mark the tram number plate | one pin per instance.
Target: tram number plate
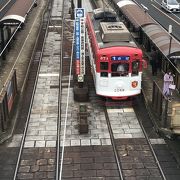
(118, 90)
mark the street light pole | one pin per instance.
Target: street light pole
(144, 7)
(144, 19)
(145, 10)
(170, 40)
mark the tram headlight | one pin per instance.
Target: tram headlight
(134, 84)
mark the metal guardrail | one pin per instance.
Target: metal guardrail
(160, 104)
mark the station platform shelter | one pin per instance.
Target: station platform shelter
(13, 15)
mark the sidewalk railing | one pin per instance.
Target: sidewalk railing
(160, 104)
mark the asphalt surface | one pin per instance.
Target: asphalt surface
(4, 6)
(161, 16)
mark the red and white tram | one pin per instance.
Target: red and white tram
(115, 58)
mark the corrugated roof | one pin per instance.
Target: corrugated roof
(161, 39)
(18, 11)
(135, 14)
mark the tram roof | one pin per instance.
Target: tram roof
(161, 39)
(101, 44)
(134, 13)
(17, 12)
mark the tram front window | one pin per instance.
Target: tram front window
(119, 69)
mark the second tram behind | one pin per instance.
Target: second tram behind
(116, 60)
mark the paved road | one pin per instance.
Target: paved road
(161, 16)
(4, 6)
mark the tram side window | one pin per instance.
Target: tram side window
(135, 68)
(104, 66)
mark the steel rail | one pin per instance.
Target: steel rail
(67, 106)
(113, 144)
(151, 148)
(58, 142)
(147, 139)
(31, 104)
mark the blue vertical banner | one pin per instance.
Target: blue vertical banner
(80, 40)
(77, 43)
(82, 53)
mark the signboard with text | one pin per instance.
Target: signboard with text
(80, 41)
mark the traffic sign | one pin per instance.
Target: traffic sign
(79, 13)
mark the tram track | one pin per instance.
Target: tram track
(151, 147)
(33, 78)
(132, 151)
(120, 153)
(64, 30)
(147, 131)
(65, 70)
(131, 146)
(119, 161)
(123, 150)
(113, 144)
(34, 73)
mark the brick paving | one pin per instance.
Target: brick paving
(137, 159)
(37, 163)
(89, 162)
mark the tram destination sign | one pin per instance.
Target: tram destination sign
(80, 40)
(119, 58)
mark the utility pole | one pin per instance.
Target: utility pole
(79, 3)
(72, 9)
